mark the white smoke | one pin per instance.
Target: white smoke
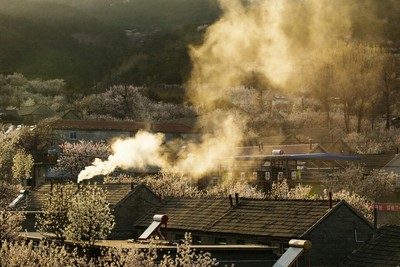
(269, 38)
(139, 152)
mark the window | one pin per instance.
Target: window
(72, 135)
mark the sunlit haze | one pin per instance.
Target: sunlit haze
(268, 39)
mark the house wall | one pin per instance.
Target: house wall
(129, 210)
(95, 136)
(337, 237)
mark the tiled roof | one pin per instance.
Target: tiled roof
(319, 135)
(121, 126)
(382, 250)
(261, 217)
(98, 125)
(279, 140)
(28, 110)
(376, 161)
(267, 149)
(38, 196)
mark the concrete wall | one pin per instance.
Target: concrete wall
(95, 136)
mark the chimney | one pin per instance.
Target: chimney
(132, 186)
(230, 200)
(375, 219)
(237, 199)
(330, 200)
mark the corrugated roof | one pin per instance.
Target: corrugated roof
(274, 218)
(287, 149)
(382, 250)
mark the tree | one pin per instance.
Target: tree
(76, 156)
(10, 221)
(39, 139)
(90, 217)
(389, 84)
(187, 257)
(13, 254)
(281, 190)
(349, 71)
(22, 165)
(360, 203)
(375, 186)
(230, 186)
(54, 216)
(7, 149)
(19, 91)
(124, 102)
(168, 183)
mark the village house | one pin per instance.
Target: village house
(33, 114)
(335, 229)
(128, 203)
(307, 164)
(330, 138)
(98, 131)
(382, 250)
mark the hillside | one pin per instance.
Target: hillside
(101, 42)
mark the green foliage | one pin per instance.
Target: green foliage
(85, 43)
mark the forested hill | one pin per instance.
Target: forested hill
(100, 42)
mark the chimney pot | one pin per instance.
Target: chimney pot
(237, 199)
(230, 200)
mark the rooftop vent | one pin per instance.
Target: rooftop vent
(277, 152)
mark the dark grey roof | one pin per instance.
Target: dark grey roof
(38, 196)
(376, 161)
(255, 217)
(382, 250)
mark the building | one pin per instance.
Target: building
(97, 131)
(307, 164)
(128, 202)
(36, 113)
(382, 250)
(334, 232)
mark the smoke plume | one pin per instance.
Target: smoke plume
(267, 40)
(139, 152)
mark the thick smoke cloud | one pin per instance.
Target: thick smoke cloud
(268, 40)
